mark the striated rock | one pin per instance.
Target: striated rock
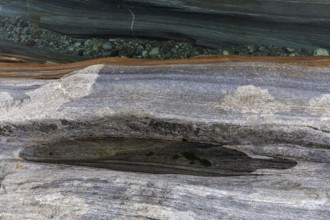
(30, 54)
(203, 22)
(248, 138)
(107, 46)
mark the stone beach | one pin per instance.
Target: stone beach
(20, 30)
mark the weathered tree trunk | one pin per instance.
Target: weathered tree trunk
(300, 23)
(192, 139)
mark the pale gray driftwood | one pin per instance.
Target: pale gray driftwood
(242, 140)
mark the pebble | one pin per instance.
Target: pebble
(88, 43)
(290, 50)
(71, 48)
(26, 31)
(251, 48)
(96, 46)
(24, 24)
(65, 43)
(261, 48)
(154, 52)
(144, 53)
(77, 44)
(225, 52)
(139, 49)
(321, 52)
(107, 46)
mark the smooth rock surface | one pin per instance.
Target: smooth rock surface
(272, 114)
(284, 23)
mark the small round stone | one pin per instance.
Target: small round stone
(290, 50)
(225, 52)
(107, 46)
(88, 43)
(71, 48)
(144, 53)
(139, 49)
(321, 52)
(77, 44)
(154, 52)
(24, 24)
(251, 48)
(65, 43)
(261, 48)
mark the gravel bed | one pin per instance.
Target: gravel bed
(22, 31)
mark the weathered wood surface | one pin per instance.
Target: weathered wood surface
(267, 123)
(300, 23)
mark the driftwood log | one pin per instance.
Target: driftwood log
(204, 138)
(300, 23)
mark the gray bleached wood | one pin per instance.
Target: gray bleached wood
(256, 110)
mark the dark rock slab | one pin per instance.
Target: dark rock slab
(11, 52)
(152, 156)
(211, 23)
